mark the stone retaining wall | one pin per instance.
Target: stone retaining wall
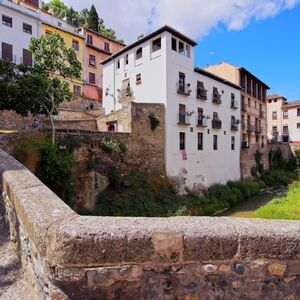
(75, 257)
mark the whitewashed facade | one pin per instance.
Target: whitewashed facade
(196, 154)
(19, 24)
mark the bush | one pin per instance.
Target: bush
(278, 178)
(154, 121)
(110, 145)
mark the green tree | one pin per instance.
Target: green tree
(73, 17)
(93, 19)
(43, 88)
(83, 17)
(57, 7)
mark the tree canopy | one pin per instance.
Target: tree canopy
(39, 90)
(87, 18)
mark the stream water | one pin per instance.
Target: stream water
(246, 209)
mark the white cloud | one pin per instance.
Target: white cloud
(195, 18)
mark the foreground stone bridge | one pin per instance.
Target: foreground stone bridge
(68, 256)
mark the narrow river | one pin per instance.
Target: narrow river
(246, 209)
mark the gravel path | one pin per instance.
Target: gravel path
(13, 284)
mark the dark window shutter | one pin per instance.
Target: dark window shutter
(7, 51)
(27, 57)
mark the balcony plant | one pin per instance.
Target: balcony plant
(154, 120)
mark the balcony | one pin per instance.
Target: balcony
(216, 124)
(261, 114)
(244, 107)
(251, 128)
(202, 94)
(183, 118)
(234, 104)
(184, 89)
(245, 145)
(216, 98)
(258, 130)
(202, 121)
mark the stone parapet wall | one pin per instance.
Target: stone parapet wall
(75, 257)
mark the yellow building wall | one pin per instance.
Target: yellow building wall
(68, 38)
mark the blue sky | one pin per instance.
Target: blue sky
(260, 35)
(270, 49)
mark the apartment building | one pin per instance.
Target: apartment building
(202, 113)
(97, 48)
(283, 120)
(253, 113)
(19, 23)
(73, 39)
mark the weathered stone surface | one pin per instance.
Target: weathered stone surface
(141, 258)
(277, 269)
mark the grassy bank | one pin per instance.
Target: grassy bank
(287, 207)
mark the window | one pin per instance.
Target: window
(233, 143)
(188, 51)
(59, 24)
(118, 64)
(92, 60)
(181, 48)
(126, 59)
(77, 89)
(201, 91)
(200, 117)
(156, 45)
(139, 53)
(182, 114)
(106, 47)
(274, 115)
(92, 78)
(274, 130)
(27, 28)
(200, 141)
(215, 142)
(298, 112)
(181, 141)
(7, 52)
(298, 125)
(174, 44)
(243, 81)
(75, 45)
(27, 57)
(285, 129)
(138, 79)
(233, 102)
(90, 39)
(285, 113)
(249, 102)
(7, 21)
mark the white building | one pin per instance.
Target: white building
(283, 119)
(202, 135)
(19, 23)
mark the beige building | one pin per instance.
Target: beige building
(283, 120)
(253, 113)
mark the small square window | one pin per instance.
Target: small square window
(174, 44)
(77, 89)
(27, 28)
(75, 45)
(232, 143)
(92, 78)
(138, 79)
(156, 45)
(181, 141)
(139, 53)
(92, 60)
(7, 21)
(200, 141)
(215, 142)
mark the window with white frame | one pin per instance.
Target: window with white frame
(139, 53)
(156, 45)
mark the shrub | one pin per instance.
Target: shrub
(115, 177)
(154, 121)
(110, 145)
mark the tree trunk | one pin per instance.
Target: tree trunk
(53, 128)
